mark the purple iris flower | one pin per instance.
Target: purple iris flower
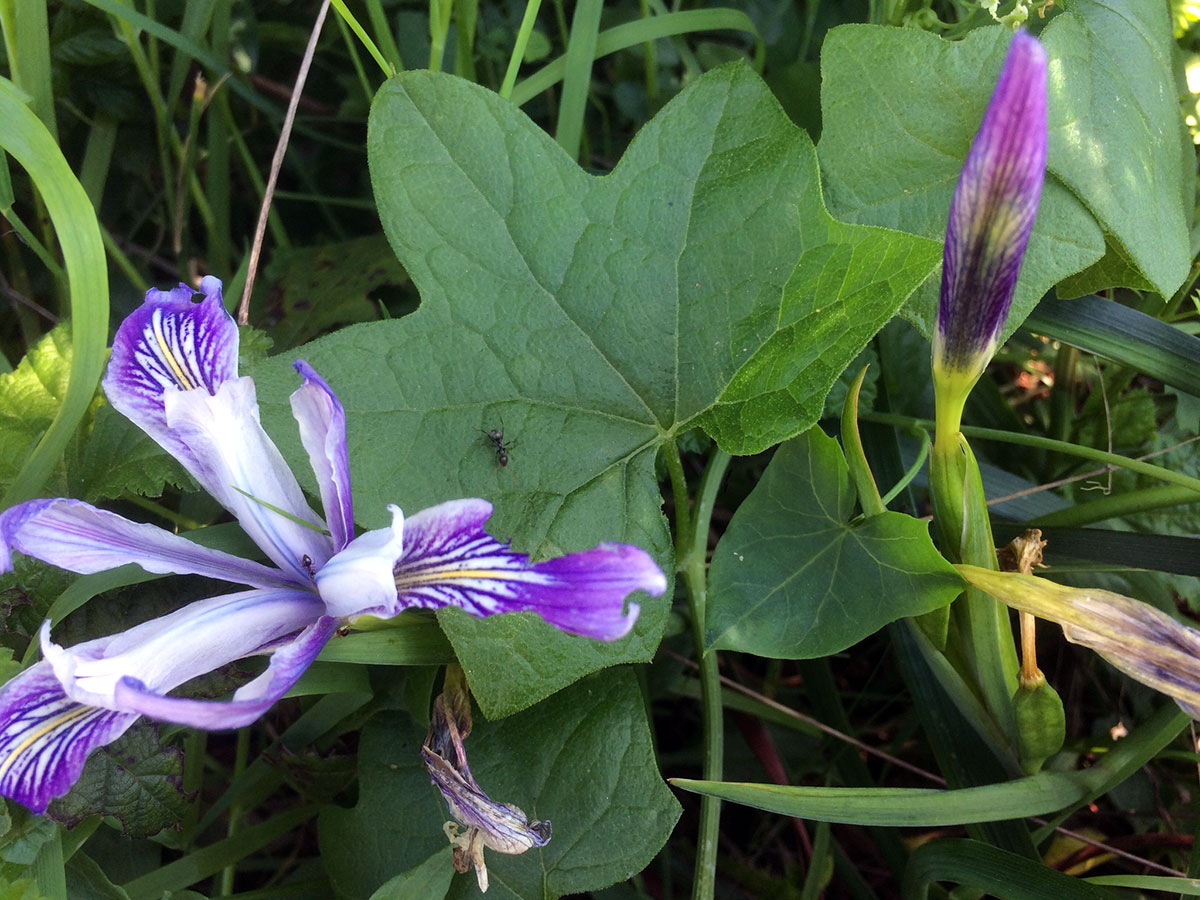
(991, 216)
(173, 372)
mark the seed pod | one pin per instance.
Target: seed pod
(1041, 723)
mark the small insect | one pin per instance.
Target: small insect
(307, 562)
(496, 436)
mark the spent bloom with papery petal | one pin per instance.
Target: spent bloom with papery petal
(173, 372)
(991, 216)
(479, 821)
(1143, 642)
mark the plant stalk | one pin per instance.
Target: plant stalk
(692, 558)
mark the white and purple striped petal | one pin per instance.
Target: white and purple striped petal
(250, 701)
(322, 423)
(45, 737)
(170, 343)
(244, 471)
(449, 560)
(79, 698)
(166, 652)
(992, 213)
(78, 537)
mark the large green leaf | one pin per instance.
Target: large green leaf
(1117, 139)
(593, 319)
(582, 759)
(428, 881)
(891, 148)
(795, 576)
(116, 457)
(31, 395)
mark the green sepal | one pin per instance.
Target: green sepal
(979, 625)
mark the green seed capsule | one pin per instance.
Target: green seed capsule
(1041, 724)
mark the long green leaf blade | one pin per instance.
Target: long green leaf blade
(26, 138)
(992, 870)
(1123, 335)
(1039, 794)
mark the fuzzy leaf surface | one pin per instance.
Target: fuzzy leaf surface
(1116, 137)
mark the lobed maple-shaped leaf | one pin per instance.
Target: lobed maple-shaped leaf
(592, 319)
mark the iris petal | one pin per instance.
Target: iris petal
(322, 423)
(165, 652)
(45, 737)
(76, 536)
(170, 343)
(244, 471)
(250, 701)
(449, 560)
(359, 580)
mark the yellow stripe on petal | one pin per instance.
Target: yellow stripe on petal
(168, 357)
(66, 718)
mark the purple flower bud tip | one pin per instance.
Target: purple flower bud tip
(992, 213)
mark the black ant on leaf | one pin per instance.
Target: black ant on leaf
(496, 437)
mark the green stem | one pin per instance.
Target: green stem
(1033, 440)
(650, 56)
(1117, 505)
(856, 458)
(911, 472)
(355, 61)
(195, 745)
(235, 809)
(1062, 398)
(518, 54)
(439, 28)
(35, 245)
(577, 79)
(691, 559)
(978, 624)
(346, 16)
(383, 34)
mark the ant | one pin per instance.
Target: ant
(496, 436)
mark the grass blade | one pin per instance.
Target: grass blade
(27, 140)
(577, 74)
(1123, 335)
(993, 871)
(1039, 794)
(631, 34)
